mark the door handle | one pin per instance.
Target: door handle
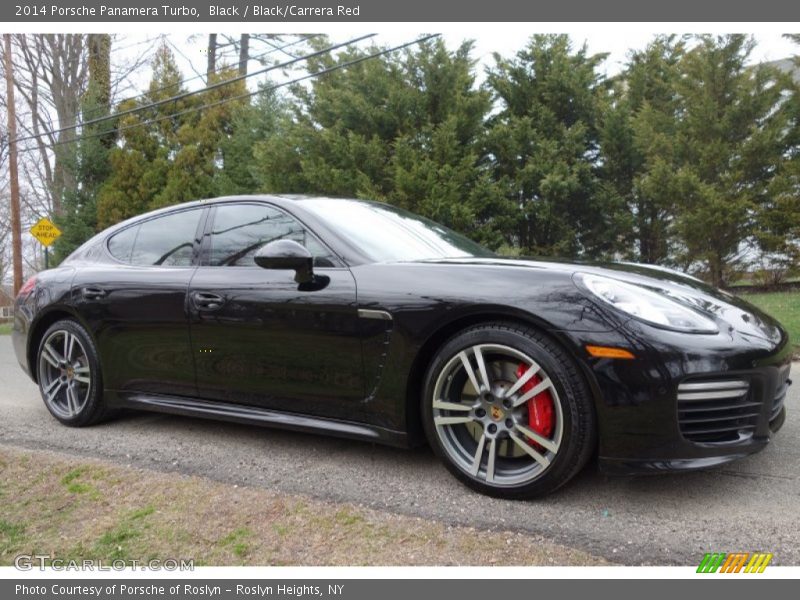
(93, 293)
(207, 300)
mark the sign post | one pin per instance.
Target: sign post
(46, 232)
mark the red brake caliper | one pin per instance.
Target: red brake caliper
(541, 417)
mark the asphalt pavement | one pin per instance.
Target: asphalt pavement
(750, 505)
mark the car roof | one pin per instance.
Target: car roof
(277, 199)
(272, 197)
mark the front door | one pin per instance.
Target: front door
(258, 338)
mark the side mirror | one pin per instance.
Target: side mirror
(287, 254)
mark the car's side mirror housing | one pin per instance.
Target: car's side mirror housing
(287, 254)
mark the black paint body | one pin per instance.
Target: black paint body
(347, 357)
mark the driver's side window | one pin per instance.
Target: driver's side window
(239, 230)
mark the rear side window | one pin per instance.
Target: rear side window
(164, 241)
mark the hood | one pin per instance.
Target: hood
(718, 304)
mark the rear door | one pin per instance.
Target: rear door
(136, 304)
(260, 338)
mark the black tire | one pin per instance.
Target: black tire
(89, 407)
(569, 394)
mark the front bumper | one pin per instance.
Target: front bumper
(650, 420)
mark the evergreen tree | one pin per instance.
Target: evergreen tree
(251, 124)
(690, 157)
(544, 150)
(638, 136)
(777, 221)
(90, 162)
(168, 153)
(404, 129)
(139, 165)
(733, 137)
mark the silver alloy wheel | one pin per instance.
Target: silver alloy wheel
(65, 376)
(480, 415)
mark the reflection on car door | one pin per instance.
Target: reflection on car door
(261, 340)
(136, 307)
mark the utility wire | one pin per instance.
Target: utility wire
(221, 69)
(213, 86)
(183, 56)
(274, 49)
(139, 43)
(247, 95)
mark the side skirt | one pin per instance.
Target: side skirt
(251, 415)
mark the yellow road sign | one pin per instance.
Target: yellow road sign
(45, 231)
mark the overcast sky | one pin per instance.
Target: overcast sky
(190, 52)
(770, 46)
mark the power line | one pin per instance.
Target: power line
(225, 45)
(277, 49)
(139, 43)
(221, 69)
(274, 49)
(200, 91)
(247, 95)
(182, 55)
(253, 38)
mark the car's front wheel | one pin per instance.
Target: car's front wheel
(69, 375)
(508, 411)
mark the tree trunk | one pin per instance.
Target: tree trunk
(244, 53)
(66, 86)
(716, 265)
(100, 69)
(212, 57)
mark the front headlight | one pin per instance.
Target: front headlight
(647, 305)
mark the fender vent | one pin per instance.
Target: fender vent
(714, 412)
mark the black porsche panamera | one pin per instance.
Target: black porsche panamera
(361, 320)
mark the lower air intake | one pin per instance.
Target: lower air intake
(715, 412)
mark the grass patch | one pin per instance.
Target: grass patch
(75, 481)
(281, 530)
(114, 544)
(237, 541)
(748, 281)
(784, 306)
(5, 328)
(142, 513)
(11, 534)
(119, 542)
(70, 511)
(347, 517)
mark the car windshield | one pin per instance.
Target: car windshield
(385, 233)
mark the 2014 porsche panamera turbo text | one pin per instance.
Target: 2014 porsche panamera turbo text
(361, 320)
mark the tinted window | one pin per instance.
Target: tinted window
(386, 233)
(166, 241)
(121, 244)
(241, 229)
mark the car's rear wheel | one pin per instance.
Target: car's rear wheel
(508, 411)
(69, 375)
